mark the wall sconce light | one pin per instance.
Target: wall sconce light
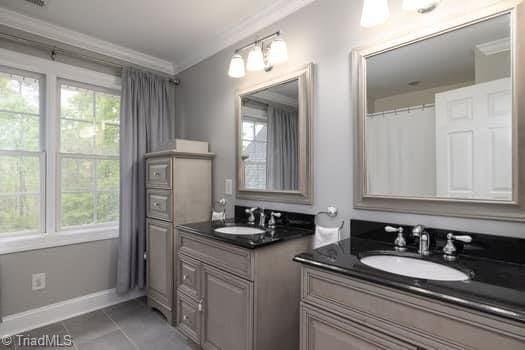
(236, 66)
(262, 56)
(376, 12)
(421, 6)
(255, 60)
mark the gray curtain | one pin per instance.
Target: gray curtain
(146, 122)
(282, 167)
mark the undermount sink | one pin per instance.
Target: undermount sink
(416, 268)
(239, 230)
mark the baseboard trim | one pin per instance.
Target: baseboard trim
(42, 316)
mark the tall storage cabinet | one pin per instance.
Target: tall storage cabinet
(178, 191)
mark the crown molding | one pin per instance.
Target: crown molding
(248, 26)
(494, 47)
(70, 37)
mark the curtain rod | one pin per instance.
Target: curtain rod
(400, 110)
(53, 51)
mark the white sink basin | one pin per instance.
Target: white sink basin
(414, 268)
(239, 230)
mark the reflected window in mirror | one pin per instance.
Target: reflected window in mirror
(270, 122)
(439, 116)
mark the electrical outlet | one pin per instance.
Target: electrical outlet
(38, 281)
(228, 187)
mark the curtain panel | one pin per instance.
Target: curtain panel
(146, 122)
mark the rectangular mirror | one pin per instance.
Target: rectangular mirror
(438, 120)
(273, 139)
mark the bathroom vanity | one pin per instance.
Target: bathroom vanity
(346, 304)
(238, 292)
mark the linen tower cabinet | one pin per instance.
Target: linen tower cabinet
(178, 191)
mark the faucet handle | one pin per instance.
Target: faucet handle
(462, 238)
(273, 215)
(400, 243)
(393, 229)
(449, 250)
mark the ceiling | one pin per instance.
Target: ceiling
(178, 31)
(442, 60)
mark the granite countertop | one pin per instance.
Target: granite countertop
(279, 234)
(496, 287)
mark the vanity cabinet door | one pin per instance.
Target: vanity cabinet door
(228, 311)
(325, 331)
(159, 245)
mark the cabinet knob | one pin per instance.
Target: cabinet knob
(184, 277)
(156, 174)
(156, 204)
(199, 307)
(184, 318)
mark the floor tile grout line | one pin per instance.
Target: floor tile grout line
(102, 334)
(121, 330)
(69, 332)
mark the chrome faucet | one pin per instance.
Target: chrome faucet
(271, 222)
(449, 250)
(262, 218)
(424, 239)
(251, 218)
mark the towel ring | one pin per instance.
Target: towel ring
(332, 213)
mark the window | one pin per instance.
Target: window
(89, 155)
(21, 156)
(254, 145)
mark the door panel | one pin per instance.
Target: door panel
(159, 261)
(324, 331)
(228, 311)
(474, 141)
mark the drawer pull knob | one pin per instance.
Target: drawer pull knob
(185, 318)
(156, 174)
(156, 204)
(184, 277)
(199, 307)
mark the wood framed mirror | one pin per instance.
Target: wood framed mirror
(440, 123)
(274, 123)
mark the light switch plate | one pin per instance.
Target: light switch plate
(228, 187)
(38, 281)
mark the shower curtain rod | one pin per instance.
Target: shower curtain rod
(53, 51)
(400, 110)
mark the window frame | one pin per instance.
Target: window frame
(40, 153)
(85, 156)
(255, 121)
(50, 236)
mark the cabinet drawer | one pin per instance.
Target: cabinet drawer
(158, 173)
(188, 317)
(189, 276)
(159, 204)
(225, 256)
(425, 322)
(321, 330)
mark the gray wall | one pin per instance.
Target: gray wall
(324, 33)
(72, 271)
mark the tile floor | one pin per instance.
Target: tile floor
(130, 325)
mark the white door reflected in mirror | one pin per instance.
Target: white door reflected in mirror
(440, 125)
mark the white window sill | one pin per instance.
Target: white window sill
(21, 243)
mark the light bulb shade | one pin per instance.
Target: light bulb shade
(278, 51)
(374, 12)
(413, 5)
(236, 67)
(255, 59)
